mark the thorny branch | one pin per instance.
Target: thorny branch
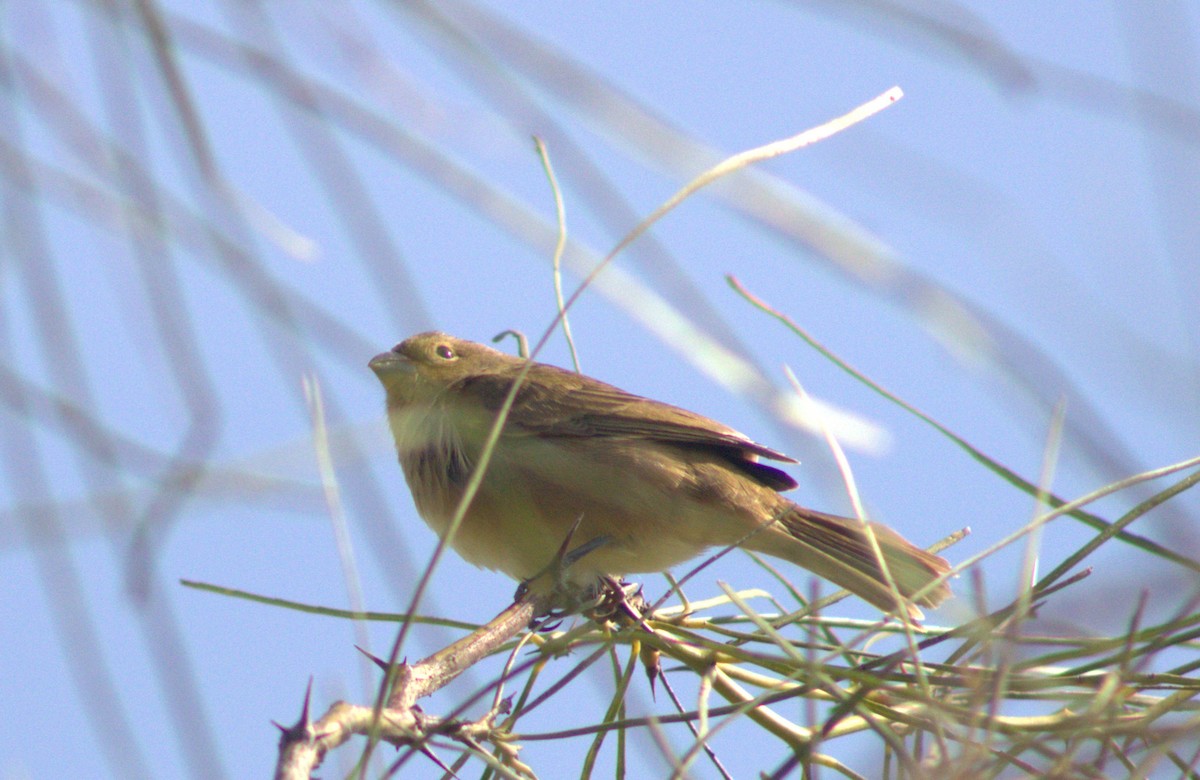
(303, 746)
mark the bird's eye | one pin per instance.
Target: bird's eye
(445, 352)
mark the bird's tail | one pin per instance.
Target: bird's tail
(837, 548)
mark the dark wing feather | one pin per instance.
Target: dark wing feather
(553, 402)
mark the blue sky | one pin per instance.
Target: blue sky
(1018, 231)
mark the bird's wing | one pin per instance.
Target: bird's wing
(554, 402)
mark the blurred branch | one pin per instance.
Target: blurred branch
(1059, 505)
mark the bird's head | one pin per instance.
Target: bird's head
(422, 367)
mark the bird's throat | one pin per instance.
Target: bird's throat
(432, 454)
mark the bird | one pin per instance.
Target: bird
(638, 485)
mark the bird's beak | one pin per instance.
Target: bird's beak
(386, 363)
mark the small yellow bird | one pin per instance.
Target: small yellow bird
(650, 485)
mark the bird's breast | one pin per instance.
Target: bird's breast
(434, 457)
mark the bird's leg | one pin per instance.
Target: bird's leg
(617, 596)
(565, 596)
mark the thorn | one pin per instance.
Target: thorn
(429, 754)
(566, 542)
(652, 662)
(382, 664)
(303, 730)
(547, 623)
